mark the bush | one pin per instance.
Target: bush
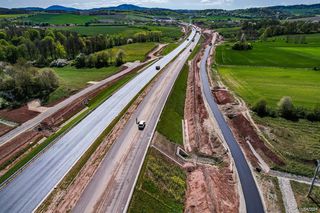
(242, 46)
(286, 108)
(261, 108)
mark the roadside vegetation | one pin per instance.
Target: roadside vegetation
(161, 186)
(59, 18)
(306, 204)
(170, 124)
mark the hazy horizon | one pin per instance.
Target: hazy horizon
(170, 4)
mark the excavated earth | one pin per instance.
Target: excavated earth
(210, 188)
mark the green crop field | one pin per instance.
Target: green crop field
(98, 29)
(9, 16)
(135, 51)
(275, 52)
(161, 186)
(272, 83)
(60, 18)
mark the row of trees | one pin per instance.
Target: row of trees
(22, 82)
(44, 46)
(100, 59)
(287, 110)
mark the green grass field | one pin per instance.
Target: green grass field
(136, 51)
(272, 83)
(170, 124)
(73, 79)
(97, 29)
(60, 18)
(9, 16)
(161, 186)
(275, 52)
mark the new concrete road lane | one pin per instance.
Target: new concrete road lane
(112, 185)
(28, 189)
(248, 184)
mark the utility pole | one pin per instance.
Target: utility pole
(316, 173)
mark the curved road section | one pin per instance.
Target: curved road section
(29, 188)
(248, 184)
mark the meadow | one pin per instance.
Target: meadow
(275, 52)
(60, 18)
(73, 79)
(272, 83)
(161, 186)
(10, 16)
(103, 29)
(274, 69)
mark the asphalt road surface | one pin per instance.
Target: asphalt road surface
(248, 184)
(111, 187)
(28, 189)
(37, 120)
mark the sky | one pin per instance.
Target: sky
(172, 4)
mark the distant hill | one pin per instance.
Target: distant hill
(60, 8)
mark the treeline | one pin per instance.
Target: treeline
(22, 82)
(287, 110)
(44, 46)
(100, 59)
(269, 28)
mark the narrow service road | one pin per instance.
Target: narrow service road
(251, 194)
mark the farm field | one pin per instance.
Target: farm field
(8, 16)
(272, 83)
(275, 52)
(135, 51)
(161, 186)
(102, 29)
(60, 18)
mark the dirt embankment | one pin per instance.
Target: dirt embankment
(19, 115)
(4, 129)
(210, 188)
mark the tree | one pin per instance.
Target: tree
(60, 51)
(80, 61)
(286, 108)
(120, 57)
(261, 108)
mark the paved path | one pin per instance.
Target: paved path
(250, 191)
(289, 201)
(28, 189)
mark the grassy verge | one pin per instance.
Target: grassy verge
(167, 49)
(106, 93)
(161, 186)
(170, 121)
(306, 204)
